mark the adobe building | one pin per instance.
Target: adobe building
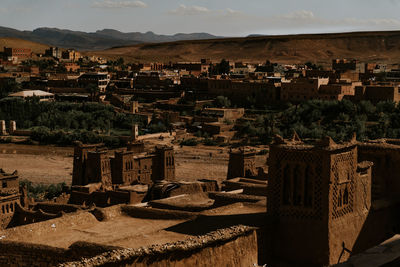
(239, 91)
(164, 163)
(385, 154)
(130, 168)
(17, 54)
(319, 203)
(337, 90)
(71, 67)
(136, 146)
(377, 93)
(302, 89)
(80, 160)
(194, 68)
(344, 65)
(3, 129)
(53, 52)
(92, 165)
(9, 197)
(98, 168)
(220, 115)
(242, 163)
(71, 55)
(101, 80)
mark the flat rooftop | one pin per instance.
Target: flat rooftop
(125, 231)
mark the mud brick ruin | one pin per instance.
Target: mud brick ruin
(242, 163)
(93, 165)
(320, 200)
(104, 180)
(9, 196)
(319, 204)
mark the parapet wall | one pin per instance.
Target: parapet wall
(105, 199)
(22, 254)
(234, 246)
(32, 255)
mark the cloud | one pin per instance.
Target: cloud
(302, 18)
(118, 4)
(299, 14)
(189, 10)
(199, 10)
(298, 21)
(232, 12)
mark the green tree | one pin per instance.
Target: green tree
(93, 90)
(222, 102)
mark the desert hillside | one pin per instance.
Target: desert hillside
(318, 48)
(19, 43)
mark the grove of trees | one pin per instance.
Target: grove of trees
(64, 122)
(338, 119)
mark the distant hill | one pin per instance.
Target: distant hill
(151, 37)
(318, 48)
(19, 43)
(103, 39)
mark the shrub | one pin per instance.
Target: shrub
(210, 142)
(189, 142)
(42, 191)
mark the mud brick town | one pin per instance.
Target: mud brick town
(206, 163)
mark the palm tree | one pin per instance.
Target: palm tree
(93, 90)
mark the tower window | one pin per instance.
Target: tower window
(346, 196)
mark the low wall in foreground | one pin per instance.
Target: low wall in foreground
(32, 255)
(234, 246)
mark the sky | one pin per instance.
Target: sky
(218, 17)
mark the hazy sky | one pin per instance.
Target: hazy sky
(220, 17)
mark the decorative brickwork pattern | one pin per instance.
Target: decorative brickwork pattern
(343, 169)
(297, 189)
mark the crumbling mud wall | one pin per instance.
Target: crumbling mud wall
(55, 208)
(24, 216)
(157, 214)
(32, 255)
(22, 254)
(105, 199)
(15, 253)
(235, 246)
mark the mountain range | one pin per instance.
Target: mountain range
(381, 47)
(98, 40)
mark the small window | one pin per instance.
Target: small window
(4, 184)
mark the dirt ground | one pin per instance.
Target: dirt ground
(51, 164)
(39, 164)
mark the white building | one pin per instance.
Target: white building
(42, 95)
